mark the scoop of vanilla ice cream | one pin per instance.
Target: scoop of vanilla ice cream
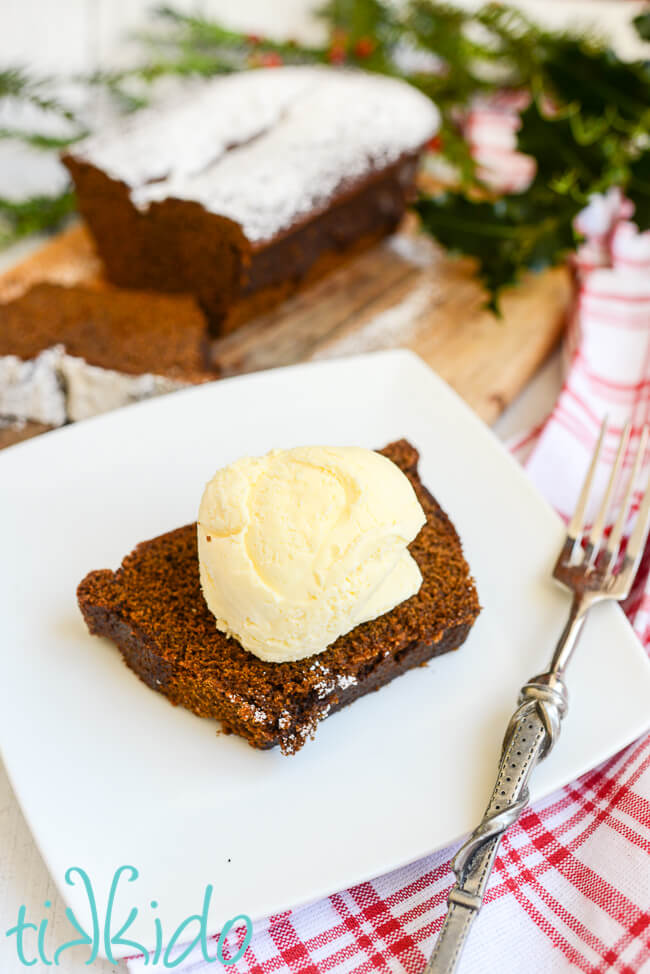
(300, 546)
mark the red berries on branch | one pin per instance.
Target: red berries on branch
(271, 59)
(364, 47)
(435, 144)
(341, 46)
(336, 54)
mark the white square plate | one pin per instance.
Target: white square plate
(108, 773)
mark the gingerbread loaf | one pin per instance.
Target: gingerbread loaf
(153, 609)
(248, 186)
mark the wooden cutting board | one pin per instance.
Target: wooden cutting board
(405, 292)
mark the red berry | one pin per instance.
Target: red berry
(364, 47)
(336, 54)
(271, 59)
(253, 39)
(435, 144)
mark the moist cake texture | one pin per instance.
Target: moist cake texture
(71, 352)
(153, 609)
(250, 184)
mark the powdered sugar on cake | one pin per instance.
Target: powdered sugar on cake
(266, 148)
(344, 682)
(92, 390)
(192, 130)
(33, 390)
(55, 387)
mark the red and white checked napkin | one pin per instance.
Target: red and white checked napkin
(571, 885)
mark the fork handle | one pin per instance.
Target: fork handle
(533, 730)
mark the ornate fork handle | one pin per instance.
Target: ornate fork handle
(532, 732)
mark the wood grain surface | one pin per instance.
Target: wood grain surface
(405, 292)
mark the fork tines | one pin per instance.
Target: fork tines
(598, 558)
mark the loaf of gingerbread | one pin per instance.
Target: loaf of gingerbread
(243, 188)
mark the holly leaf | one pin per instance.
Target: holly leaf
(560, 146)
(593, 78)
(642, 25)
(526, 231)
(638, 190)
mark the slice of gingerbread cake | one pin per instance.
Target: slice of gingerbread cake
(153, 608)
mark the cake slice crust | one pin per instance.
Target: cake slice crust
(153, 609)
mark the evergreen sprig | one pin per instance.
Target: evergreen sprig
(34, 215)
(16, 83)
(19, 218)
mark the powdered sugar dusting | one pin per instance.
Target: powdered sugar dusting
(258, 715)
(191, 131)
(265, 148)
(55, 387)
(32, 390)
(414, 248)
(324, 688)
(284, 720)
(319, 667)
(343, 682)
(91, 390)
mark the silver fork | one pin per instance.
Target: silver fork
(594, 572)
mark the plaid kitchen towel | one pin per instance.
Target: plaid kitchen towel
(571, 885)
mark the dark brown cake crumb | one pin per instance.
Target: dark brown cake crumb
(152, 607)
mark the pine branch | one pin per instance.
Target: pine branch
(114, 84)
(34, 215)
(185, 44)
(16, 83)
(40, 213)
(40, 141)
